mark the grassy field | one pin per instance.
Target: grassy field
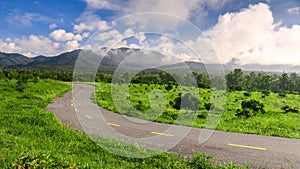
(274, 122)
(30, 137)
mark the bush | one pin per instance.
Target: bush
(188, 102)
(201, 161)
(250, 108)
(288, 109)
(207, 106)
(281, 94)
(246, 94)
(266, 93)
(169, 87)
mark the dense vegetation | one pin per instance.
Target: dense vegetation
(34, 138)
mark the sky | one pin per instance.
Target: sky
(230, 31)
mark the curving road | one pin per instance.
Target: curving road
(78, 110)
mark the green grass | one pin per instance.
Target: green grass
(30, 137)
(154, 103)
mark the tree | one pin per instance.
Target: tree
(188, 102)
(234, 80)
(203, 81)
(250, 108)
(285, 83)
(263, 82)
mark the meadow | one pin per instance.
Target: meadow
(156, 103)
(30, 137)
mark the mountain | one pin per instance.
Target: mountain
(13, 60)
(125, 59)
(65, 60)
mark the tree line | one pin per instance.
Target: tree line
(278, 83)
(235, 80)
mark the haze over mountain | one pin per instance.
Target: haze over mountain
(131, 59)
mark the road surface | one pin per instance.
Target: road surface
(78, 110)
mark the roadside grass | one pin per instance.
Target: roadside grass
(141, 98)
(30, 137)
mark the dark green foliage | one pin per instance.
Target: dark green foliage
(169, 87)
(168, 117)
(234, 80)
(142, 107)
(188, 102)
(266, 93)
(247, 94)
(202, 115)
(208, 106)
(281, 94)
(250, 108)
(201, 161)
(288, 109)
(263, 82)
(202, 80)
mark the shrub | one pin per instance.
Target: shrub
(266, 93)
(207, 106)
(281, 94)
(169, 87)
(250, 108)
(246, 94)
(188, 102)
(288, 109)
(202, 161)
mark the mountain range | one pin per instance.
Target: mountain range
(122, 59)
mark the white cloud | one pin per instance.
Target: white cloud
(252, 36)
(98, 4)
(82, 27)
(8, 46)
(90, 22)
(295, 10)
(26, 19)
(72, 45)
(62, 35)
(86, 34)
(35, 45)
(188, 10)
(141, 37)
(53, 26)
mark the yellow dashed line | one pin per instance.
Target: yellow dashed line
(162, 134)
(87, 116)
(250, 147)
(76, 110)
(112, 124)
(72, 105)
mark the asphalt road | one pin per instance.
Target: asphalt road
(78, 110)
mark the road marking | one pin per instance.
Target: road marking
(76, 110)
(112, 124)
(87, 116)
(162, 134)
(72, 101)
(72, 105)
(250, 147)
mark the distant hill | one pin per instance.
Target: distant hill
(130, 59)
(13, 60)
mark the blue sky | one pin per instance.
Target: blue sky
(35, 27)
